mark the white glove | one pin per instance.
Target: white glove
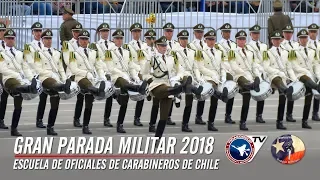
(54, 76)
(223, 79)
(126, 77)
(137, 79)
(90, 76)
(201, 81)
(282, 74)
(19, 78)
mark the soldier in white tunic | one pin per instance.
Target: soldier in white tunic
(86, 67)
(303, 66)
(135, 46)
(257, 47)
(289, 44)
(67, 47)
(4, 95)
(164, 66)
(245, 72)
(14, 69)
(313, 43)
(29, 50)
(198, 44)
(225, 44)
(279, 71)
(186, 58)
(211, 66)
(168, 30)
(103, 45)
(123, 75)
(46, 62)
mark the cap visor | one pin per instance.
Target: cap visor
(9, 36)
(117, 36)
(183, 37)
(104, 29)
(287, 30)
(303, 36)
(199, 30)
(76, 29)
(241, 37)
(276, 37)
(85, 37)
(36, 28)
(210, 37)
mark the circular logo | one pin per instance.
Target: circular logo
(288, 149)
(239, 149)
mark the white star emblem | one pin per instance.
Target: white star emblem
(37, 25)
(10, 32)
(85, 33)
(48, 33)
(78, 26)
(242, 34)
(288, 27)
(277, 34)
(227, 26)
(303, 32)
(256, 28)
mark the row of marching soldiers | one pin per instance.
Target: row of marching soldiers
(201, 69)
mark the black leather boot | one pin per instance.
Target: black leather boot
(39, 124)
(243, 126)
(228, 119)
(63, 87)
(76, 123)
(28, 89)
(197, 90)
(98, 91)
(2, 125)
(137, 88)
(15, 132)
(107, 123)
(152, 128)
(259, 119)
(211, 127)
(86, 130)
(199, 120)
(305, 124)
(137, 121)
(120, 128)
(289, 118)
(50, 131)
(170, 122)
(280, 125)
(185, 128)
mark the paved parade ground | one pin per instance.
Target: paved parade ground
(263, 167)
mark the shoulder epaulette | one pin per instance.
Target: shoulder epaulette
(265, 55)
(72, 57)
(292, 55)
(198, 55)
(108, 55)
(37, 57)
(65, 46)
(26, 49)
(188, 46)
(140, 54)
(175, 41)
(125, 46)
(231, 55)
(217, 46)
(1, 57)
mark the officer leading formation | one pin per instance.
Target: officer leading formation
(161, 70)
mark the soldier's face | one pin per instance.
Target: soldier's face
(75, 34)
(312, 34)
(118, 41)
(255, 36)
(47, 42)
(162, 48)
(276, 42)
(150, 41)
(83, 42)
(303, 40)
(287, 35)
(136, 34)
(183, 42)
(211, 42)
(198, 34)
(241, 42)
(104, 34)
(9, 41)
(2, 33)
(37, 34)
(168, 33)
(226, 34)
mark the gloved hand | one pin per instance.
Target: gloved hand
(54, 76)
(108, 77)
(282, 74)
(223, 79)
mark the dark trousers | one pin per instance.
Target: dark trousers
(281, 107)
(246, 96)
(123, 99)
(307, 104)
(161, 93)
(213, 109)
(42, 105)
(3, 104)
(138, 110)
(315, 106)
(187, 108)
(88, 98)
(54, 101)
(108, 107)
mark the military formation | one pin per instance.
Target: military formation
(161, 70)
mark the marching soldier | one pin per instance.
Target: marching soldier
(119, 64)
(186, 58)
(212, 68)
(246, 74)
(279, 70)
(314, 44)
(48, 64)
(4, 95)
(103, 45)
(29, 51)
(303, 66)
(67, 47)
(14, 69)
(163, 66)
(257, 48)
(85, 65)
(172, 46)
(289, 44)
(136, 46)
(198, 44)
(225, 44)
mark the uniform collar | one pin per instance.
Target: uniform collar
(8, 48)
(46, 49)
